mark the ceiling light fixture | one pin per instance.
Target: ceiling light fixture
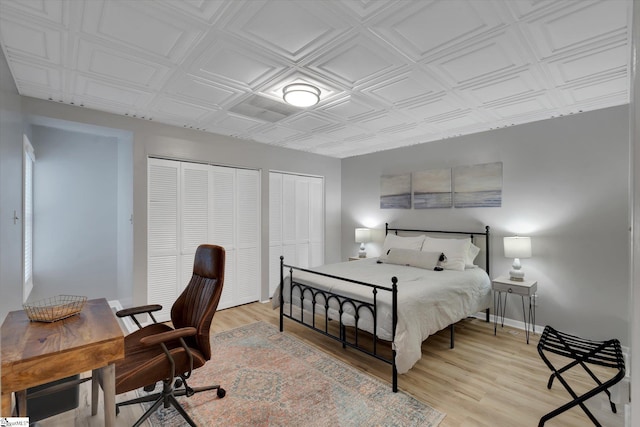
(301, 94)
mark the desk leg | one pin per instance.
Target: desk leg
(21, 402)
(95, 390)
(109, 388)
(6, 405)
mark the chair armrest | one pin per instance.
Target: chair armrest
(138, 310)
(168, 336)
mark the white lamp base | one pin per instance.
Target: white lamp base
(516, 275)
(362, 253)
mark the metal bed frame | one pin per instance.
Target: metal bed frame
(324, 297)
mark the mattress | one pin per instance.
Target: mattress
(428, 300)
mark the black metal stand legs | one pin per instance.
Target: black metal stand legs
(582, 352)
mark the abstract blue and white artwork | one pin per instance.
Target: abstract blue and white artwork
(395, 191)
(478, 185)
(432, 189)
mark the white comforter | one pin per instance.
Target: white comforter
(428, 301)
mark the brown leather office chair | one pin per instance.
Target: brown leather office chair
(158, 352)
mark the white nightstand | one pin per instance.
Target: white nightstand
(526, 288)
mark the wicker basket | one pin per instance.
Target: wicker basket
(55, 308)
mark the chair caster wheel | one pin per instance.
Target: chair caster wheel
(177, 384)
(221, 393)
(189, 391)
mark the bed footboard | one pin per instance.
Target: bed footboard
(315, 302)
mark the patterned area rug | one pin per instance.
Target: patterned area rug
(273, 379)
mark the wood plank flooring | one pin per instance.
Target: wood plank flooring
(486, 381)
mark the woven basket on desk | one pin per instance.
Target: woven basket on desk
(55, 308)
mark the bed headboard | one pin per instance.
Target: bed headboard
(471, 234)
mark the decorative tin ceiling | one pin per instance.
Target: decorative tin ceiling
(392, 73)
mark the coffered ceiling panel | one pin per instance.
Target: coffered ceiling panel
(229, 62)
(31, 41)
(522, 108)
(291, 28)
(350, 109)
(423, 28)
(139, 25)
(356, 61)
(580, 25)
(196, 89)
(391, 73)
(405, 88)
(38, 76)
(108, 63)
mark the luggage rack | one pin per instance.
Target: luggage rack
(582, 351)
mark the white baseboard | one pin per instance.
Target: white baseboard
(508, 322)
(126, 323)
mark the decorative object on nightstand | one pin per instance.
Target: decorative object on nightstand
(516, 248)
(363, 235)
(524, 288)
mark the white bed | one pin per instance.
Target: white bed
(429, 300)
(426, 300)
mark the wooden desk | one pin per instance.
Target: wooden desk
(35, 353)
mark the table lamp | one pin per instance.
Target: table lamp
(516, 248)
(363, 235)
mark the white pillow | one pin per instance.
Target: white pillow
(472, 254)
(401, 242)
(456, 251)
(413, 258)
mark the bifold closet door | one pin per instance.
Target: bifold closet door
(195, 210)
(236, 226)
(190, 204)
(163, 254)
(296, 222)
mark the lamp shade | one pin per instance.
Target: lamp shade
(301, 94)
(363, 235)
(517, 247)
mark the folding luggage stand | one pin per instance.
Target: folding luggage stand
(582, 351)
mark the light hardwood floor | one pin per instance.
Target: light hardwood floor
(487, 380)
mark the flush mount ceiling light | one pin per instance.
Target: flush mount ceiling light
(301, 94)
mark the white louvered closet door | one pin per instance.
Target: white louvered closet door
(163, 252)
(316, 221)
(194, 221)
(302, 221)
(236, 226)
(223, 191)
(289, 219)
(275, 230)
(190, 204)
(296, 223)
(247, 236)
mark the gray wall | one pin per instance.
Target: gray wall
(155, 139)
(11, 130)
(76, 212)
(565, 184)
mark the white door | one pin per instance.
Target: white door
(191, 204)
(296, 221)
(163, 253)
(194, 216)
(236, 226)
(247, 236)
